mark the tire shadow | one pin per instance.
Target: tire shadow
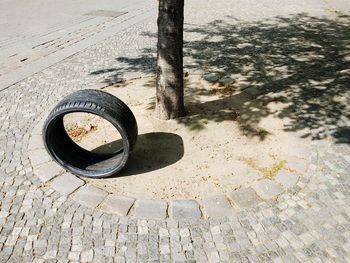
(152, 151)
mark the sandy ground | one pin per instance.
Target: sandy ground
(225, 142)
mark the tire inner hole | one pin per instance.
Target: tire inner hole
(93, 133)
(87, 141)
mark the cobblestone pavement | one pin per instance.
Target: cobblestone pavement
(32, 41)
(309, 223)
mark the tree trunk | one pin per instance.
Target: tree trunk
(170, 95)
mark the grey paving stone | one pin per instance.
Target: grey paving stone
(217, 206)
(211, 77)
(226, 81)
(90, 195)
(297, 164)
(286, 179)
(36, 142)
(37, 131)
(253, 91)
(48, 171)
(119, 205)
(87, 255)
(184, 209)
(66, 184)
(38, 157)
(245, 197)
(213, 256)
(150, 209)
(267, 189)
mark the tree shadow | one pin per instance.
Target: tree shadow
(152, 151)
(301, 62)
(145, 64)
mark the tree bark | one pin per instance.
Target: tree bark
(170, 95)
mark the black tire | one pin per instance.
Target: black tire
(73, 157)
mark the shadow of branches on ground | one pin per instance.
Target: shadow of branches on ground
(301, 61)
